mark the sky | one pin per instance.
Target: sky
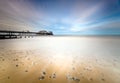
(62, 17)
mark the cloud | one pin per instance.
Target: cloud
(19, 15)
(82, 12)
(103, 27)
(79, 18)
(70, 17)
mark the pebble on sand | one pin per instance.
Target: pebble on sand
(15, 59)
(17, 65)
(41, 77)
(44, 73)
(53, 76)
(8, 77)
(91, 79)
(26, 70)
(73, 78)
(103, 79)
(3, 59)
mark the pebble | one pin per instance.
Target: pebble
(103, 79)
(91, 79)
(44, 73)
(15, 59)
(77, 79)
(73, 78)
(41, 77)
(53, 76)
(26, 70)
(8, 77)
(3, 59)
(17, 65)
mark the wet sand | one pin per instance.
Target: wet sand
(60, 60)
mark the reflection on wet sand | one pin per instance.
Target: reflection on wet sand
(52, 60)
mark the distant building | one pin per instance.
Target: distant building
(44, 32)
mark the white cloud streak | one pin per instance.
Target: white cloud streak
(104, 26)
(19, 15)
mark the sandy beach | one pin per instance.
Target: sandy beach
(60, 60)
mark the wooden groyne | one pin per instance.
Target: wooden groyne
(4, 34)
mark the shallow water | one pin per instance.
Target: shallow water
(60, 60)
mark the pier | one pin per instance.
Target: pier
(4, 34)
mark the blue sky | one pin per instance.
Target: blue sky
(63, 17)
